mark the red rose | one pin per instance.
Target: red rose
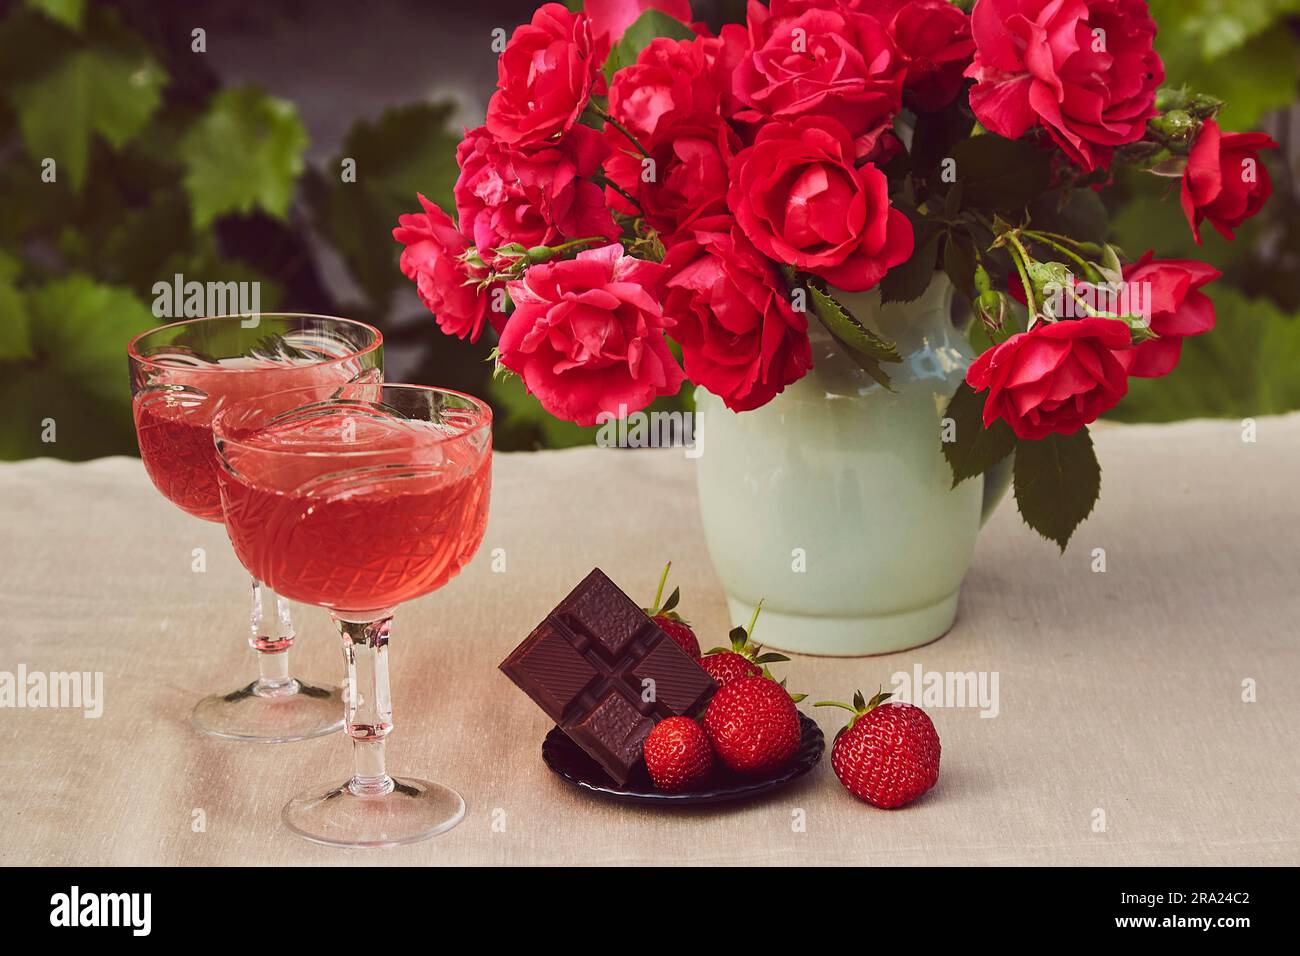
(1085, 70)
(690, 173)
(1055, 378)
(674, 80)
(933, 37)
(609, 18)
(1175, 306)
(1225, 182)
(544, 78)
(533, 197)
(723, 54)
(587, 335)
(431, 258)
(817, 57)
(801, 200)
(740, 336)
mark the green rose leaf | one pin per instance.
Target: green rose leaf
(111, 92)
(649, 26)
(1001, 175)
(865, 347)
(1057, 481)
(1077, 213)
(244, 154)
(909, 280)
(960, 260)
(935, 134)
(974, 448)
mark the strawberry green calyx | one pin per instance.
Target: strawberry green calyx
(859, 708)
(665, 609)
(742, 645)
(794, 697)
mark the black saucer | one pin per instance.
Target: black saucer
(572, 764)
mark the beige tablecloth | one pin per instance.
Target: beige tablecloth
(1120, 693)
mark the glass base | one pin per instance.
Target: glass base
(344, 815)
(271, 714)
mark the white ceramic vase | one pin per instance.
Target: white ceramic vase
(833, 503)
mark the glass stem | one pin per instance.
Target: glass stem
(367, 702)
(271, 635)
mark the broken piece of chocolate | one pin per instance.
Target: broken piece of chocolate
(606, 673)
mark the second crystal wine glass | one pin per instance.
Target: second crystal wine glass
(358, 499)
(180, 374)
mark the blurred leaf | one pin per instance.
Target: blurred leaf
(519, 414)
(1217, 27)
(245, 154)
(15, 323)
(133, 252)
(106, 91)
(29, 43)
(81, 328)
(521, 424)
(1246, 367)
(71, 13)
(1230, 48)
(205, 264)
(649, 26)
(77, 375)
(9, 267)
(1152, 218)
(408, 150)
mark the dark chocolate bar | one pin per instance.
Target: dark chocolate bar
(606, 673)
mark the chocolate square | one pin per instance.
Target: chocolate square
(608, 616)
(553, 666)
(606, 673)
(614, 729)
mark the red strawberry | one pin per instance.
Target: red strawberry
(670, 622)
(726, 666)
(677, 754)
(753, 725)
(888, 754)
(681, 634)
(745, 659)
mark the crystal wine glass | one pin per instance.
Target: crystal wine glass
(180, 373)
(357, 499)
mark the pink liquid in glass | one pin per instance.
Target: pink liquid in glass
(356, 512)
(173, 418)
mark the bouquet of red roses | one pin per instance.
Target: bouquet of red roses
(640, 179)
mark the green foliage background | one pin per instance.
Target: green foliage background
(1247, 53)
(163, 170)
